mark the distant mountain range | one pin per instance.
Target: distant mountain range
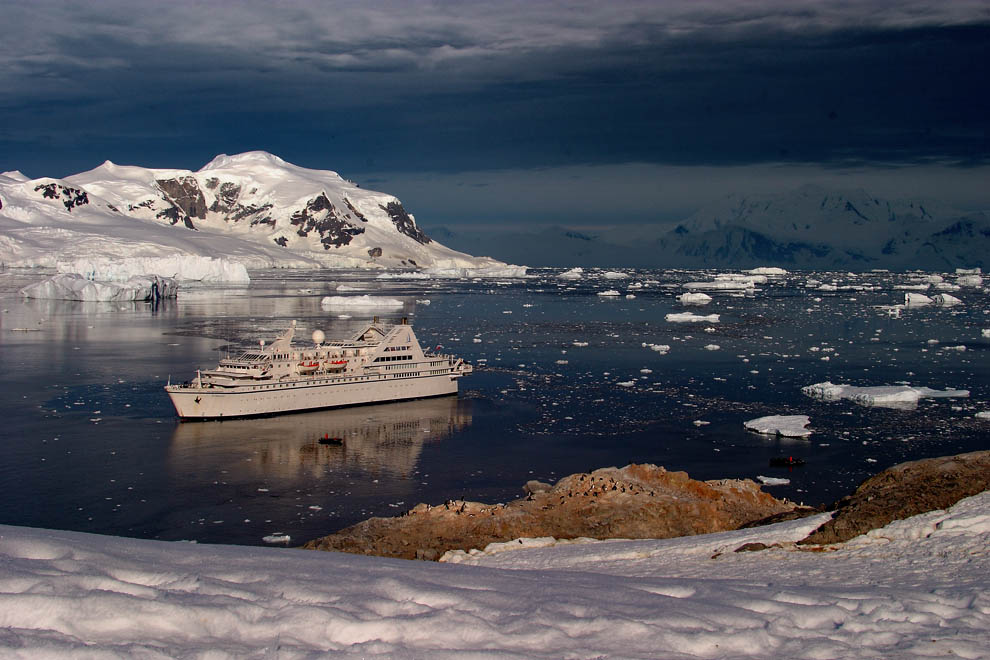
(252, 208)
(808, 228)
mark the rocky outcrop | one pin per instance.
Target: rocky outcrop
(903, 491)
(405, 223)
(637, 501)
(320, 215)
(70, 197)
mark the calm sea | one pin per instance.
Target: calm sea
(566, 381)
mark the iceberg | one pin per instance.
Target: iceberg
(360, 301)
(945, 300)
(73, 286)
(883, 396)
(183, 268)
(721, 285)
(767, 270)
(916, 300)
(501, 270)
(694, 298)
(789, 426)
(572, 274)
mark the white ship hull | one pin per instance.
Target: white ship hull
(315, 394)
(377, 365)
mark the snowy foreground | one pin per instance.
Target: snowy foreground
(917, 588)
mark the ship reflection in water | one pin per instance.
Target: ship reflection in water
(375, 440)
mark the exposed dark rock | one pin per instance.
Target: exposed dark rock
(752, 547)
(71, 197)
(184, 193)
(226, 200)
(637, 501)
(903, 491)
(320, 216)
(375, 252)
(281, 240)
(404, 222)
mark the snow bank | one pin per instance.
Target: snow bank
(694, 298)
(689, 317)
(884, 396)
(915, 588)
(182, 268)
(789, 426)
(360, 301)
(72, 286)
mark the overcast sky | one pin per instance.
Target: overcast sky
(583, 113)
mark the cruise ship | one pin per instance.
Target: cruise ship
(381, 363)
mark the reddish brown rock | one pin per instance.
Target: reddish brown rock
(637, 501)
(905, 490)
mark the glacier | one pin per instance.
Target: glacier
(246, 211)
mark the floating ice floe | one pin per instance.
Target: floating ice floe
(277, 537)
(572, 274)
(789, 426)
(73, 286)
(360, 301)
(985, 332)
(662, 349)
(611, 293)
(689, 317)
(985, 414)
(694, 298)
(614, 275)
(626, 383)
(712, 347)
(721, 285)
(882, 396)
(772, 481)
(969, 280)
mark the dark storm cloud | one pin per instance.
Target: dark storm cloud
(474, 86)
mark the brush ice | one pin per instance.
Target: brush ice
(789, 426)
(882, 396)
(72, 286)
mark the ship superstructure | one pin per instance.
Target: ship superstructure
(380, 363)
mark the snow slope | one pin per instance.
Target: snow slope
(917, 588)
(252, 209)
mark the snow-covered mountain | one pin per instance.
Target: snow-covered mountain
(252, 210)
(811, 227)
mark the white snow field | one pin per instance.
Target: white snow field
(250, 210)
(918, 588)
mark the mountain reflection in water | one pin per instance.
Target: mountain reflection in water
(379, 439)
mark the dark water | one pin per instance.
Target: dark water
(91, 442)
